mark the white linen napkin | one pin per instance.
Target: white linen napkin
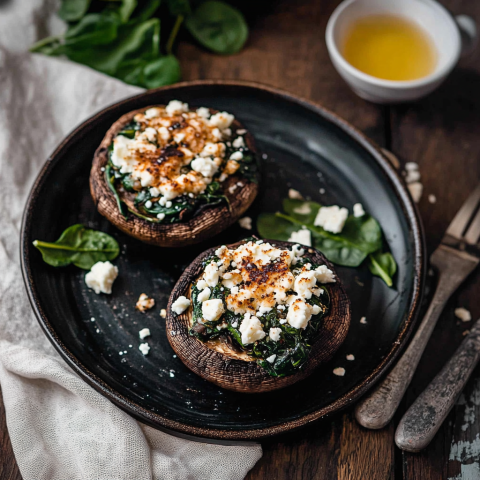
(59, 426)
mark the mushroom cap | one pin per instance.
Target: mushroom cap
(204, 224)
(219, 363)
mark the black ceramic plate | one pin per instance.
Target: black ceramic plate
(304, 147)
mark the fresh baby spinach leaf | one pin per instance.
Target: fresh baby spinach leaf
(218, 27)
(383, 265)
(79, 245)
(73, 10)
(93, 29)
(361, 237)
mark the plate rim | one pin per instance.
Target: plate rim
(216, 435)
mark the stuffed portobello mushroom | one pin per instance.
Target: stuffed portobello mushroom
(172, 176)
(257, 315)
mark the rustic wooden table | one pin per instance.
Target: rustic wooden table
(286, 49)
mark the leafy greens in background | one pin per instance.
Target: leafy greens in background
(79, 245)
(360, 238)
(122, 38)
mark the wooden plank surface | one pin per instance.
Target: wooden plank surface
(286, 49)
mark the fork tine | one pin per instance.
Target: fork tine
(458, 224)
(473, 232)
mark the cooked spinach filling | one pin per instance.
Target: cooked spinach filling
(182, 207)
(291, 350)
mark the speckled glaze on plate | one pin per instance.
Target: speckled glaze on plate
(304, 147)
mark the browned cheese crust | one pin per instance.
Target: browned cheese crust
(207, 223)
(219, 363)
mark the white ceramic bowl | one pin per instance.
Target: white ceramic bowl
(442, 27)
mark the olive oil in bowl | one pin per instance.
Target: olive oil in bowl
(390, 47)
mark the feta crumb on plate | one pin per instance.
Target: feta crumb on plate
(163, 313)
(432, 198)
(294, 194)
(416, 190)
(363, 320)
(340, 372)
(101, 277)
(303, 236)
(144, 348)
(246, 223)
(303, 209)
(350, 358)
(331, 219)
(180, 304)
(463, 314)
(144, 333)
(358, 210)
(144, 303)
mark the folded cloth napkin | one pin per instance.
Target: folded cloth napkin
(61, 429)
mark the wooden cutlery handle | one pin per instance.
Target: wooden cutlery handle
(377, 409)
(423, 419)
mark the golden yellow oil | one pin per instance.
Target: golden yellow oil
(390, 47)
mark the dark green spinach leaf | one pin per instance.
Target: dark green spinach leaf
(383, 265)
(218, 27)
(78, 245)
(73, 10)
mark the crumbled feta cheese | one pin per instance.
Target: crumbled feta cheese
(232, 188)
(164, 134)
(432, 198)
(251, 329)
(204, 295)
(144, 303)
(304, 283)
(204, 165)
(152, 113)
(168, 204)
(144, 333)
(175, 107)
(274, 334)
(416, 190)
(463, 314)
(324, 274)
(322, 191)
(409, 166)
(241, 132)
(101, 277)
(213, 150)
(212, 309)
(294, 194)
(350, 358)
(299, 313)
(212, 274)
(303, 209)
(236, 156)
(160, 216)
(238, 143)
(180, 304)
(148, 204)
(121, 157)
(222, 120)
(339, 372)
(358, 210)
(203, 112)
(303, 236)
(144, 348)
(179, 137)
(246, 223)
(163, 313)
(235, 324)
(412, 176)
(202, 284)
(271, 358)
(363, 320)
(332, 219)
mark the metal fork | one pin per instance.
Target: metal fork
(455, 258)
